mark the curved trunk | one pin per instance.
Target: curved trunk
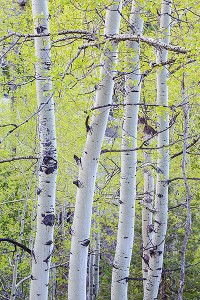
(125, 234)
(161, 199)
(89, 162)
(43, 245)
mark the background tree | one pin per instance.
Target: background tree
(125, 235)
(161, 197)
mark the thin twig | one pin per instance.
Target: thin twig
(188, 146)
(28, 119)
(21, 281)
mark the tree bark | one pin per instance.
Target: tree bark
(91, 277)
(147, 226)
(125, 234)
(188, 223)
(97, 251)
(89, 162)
(43, 245)
(161, 198)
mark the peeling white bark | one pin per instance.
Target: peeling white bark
(125, 234)
(89, 162)
(161, 198)
(43, 245)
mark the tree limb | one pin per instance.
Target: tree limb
(17, 244)
(188, 146)
(18, 158)
(149, 41)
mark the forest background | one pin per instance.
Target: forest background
(77, 42)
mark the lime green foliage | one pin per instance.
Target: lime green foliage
(74, 97)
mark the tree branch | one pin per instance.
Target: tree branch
(181, 178)
(16, 244)
(188, 146)
(28, 119)
(18, 158)
(32, 36)
(149, 41)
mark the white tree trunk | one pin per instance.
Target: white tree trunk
(96, 263)
(188, 223)
(161, 199)
(17, 256)
(147, 226)
(89, 163)
(125, 234)
(43, 246)
(91, 277)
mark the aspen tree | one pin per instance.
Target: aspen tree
(89, 161)
(147, 226)
(188, 224)
(161, 197)
(125, 234)
(43, 245)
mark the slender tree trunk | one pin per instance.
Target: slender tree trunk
(43, 246)
(17, 257)
(96, 263)
(125, 234)
(161, 199)
(186, 111)
(91, 277)
(147, 226)
(89, 163)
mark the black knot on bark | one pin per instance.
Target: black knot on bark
(49, 165)
(40, 29)
(85, 242)
(48, 220)
(159, 195)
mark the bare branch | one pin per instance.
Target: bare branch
(32, 36)
(181, 178)
(16, 244)
(128, 104)
(21, 281)
(178, 205)
(149, 41)
(18, 158)
(71, 62)
(28, 119)
(188, 146)
(116, 38)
